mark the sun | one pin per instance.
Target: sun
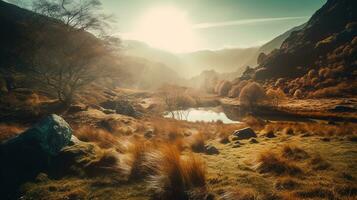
(167, 28)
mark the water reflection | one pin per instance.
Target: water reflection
(202, 114)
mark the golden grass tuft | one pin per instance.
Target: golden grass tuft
(174, 176)
(8, 131)
(197, 142)
(101, 137)
(286, 184)
(239, 194)
(318, 163)
(133, 161)
(294, 153)
(271, 162)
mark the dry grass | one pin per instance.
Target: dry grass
(103, 138)
(8, 131)
(271, 162)
(239, 194)
(254, 123)
(294, 153)
(292, 128)
(287, 183)
(172, 175)
(197, 142)
(133, 161)
(318, 163)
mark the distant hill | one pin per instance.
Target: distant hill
(225, 60)
(193, 63)
(272, 45)
(328, 39)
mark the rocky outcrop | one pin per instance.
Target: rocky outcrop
(24, 156)
(120, 107)
(328, 39)
(245, 133)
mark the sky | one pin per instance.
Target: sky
(190, 25)
(214, 24)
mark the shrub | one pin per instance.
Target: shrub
(298, 94)
(224, 88)
(236, 89)
(275, 96)
(252, 94)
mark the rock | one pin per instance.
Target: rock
(211, 150)
(342, 108)
(270, 134)
(245, 133)
(77, 108)
(27, 154)
(236, 146)
(253, 141)
(108, 111)
(224, 140)
(121, 107)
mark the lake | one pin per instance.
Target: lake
(201, 114)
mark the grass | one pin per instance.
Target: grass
(294, 153)
(161, 167)
(271, 162)
(173, 176)
(8, 131)
(99, 136)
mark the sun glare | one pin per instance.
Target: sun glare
(165, 28)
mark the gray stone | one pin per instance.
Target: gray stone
(253, 141)
(245, 133)
(29, 153)
(211, 150)
(52, 134)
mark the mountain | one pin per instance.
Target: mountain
(278, 41)
(223, 61)
(328, 40)
(272, 45)
(193, 63)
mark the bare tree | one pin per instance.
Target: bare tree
(67, 57)
(177, 101)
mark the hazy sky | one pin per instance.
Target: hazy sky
(188, 25)
(216, 23)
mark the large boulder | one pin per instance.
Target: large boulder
(122, 107)
(29, 153)
(245, 133)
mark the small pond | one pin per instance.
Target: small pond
(201, 114)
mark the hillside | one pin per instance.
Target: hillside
(328, 39)
(21, 47)
(319, 60)
(272, 45)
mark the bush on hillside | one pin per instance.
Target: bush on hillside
(252, 94)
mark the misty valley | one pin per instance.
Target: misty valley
(178, 100)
